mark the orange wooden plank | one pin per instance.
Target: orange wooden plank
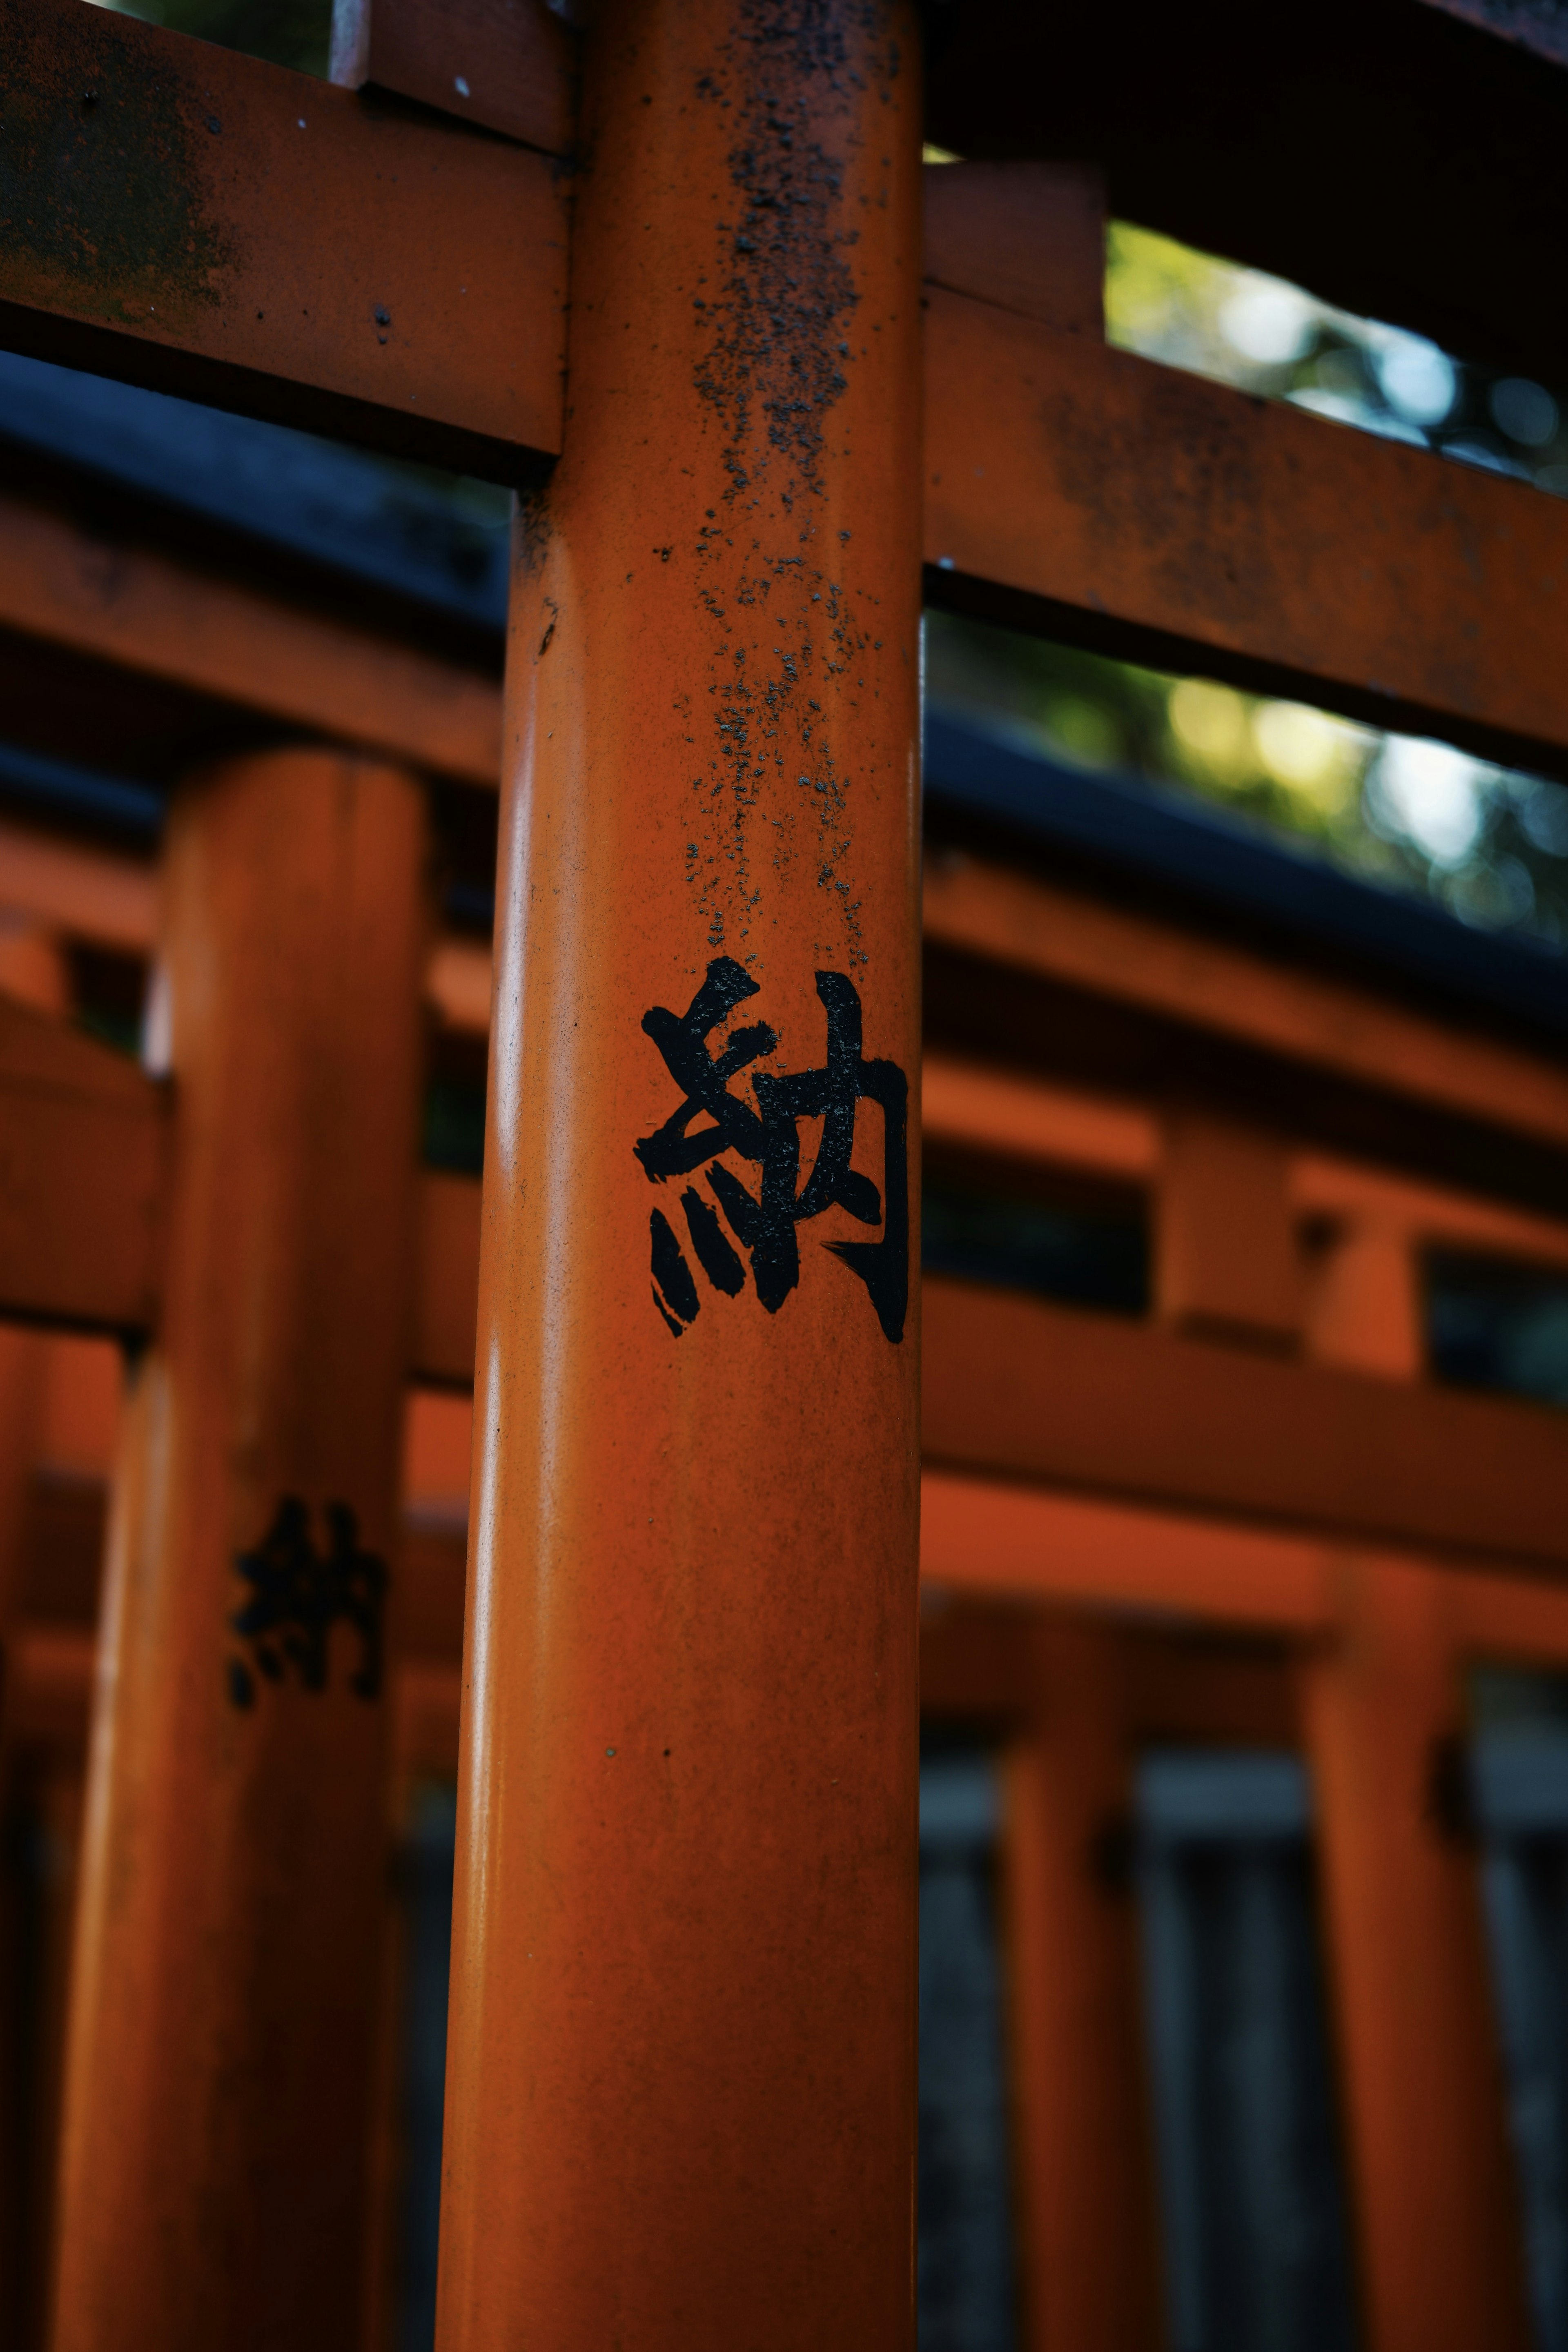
(965, 1103)
(91, 893)
(191, 218)
(982, 1538)
(1015, 1387)
(147, 611)
(448, 1292)
(508, 64)
(82, 1144)
(1029, 237)
(1082, 479)
(1086, 2188)
(1421, 2088)
(1013, 918)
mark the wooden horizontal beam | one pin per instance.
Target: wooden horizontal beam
(82, 1160)
(146, 612)
(508, 64)
(81, 1176)
(1014, 1387)
(988, 1539)
(1015, 918)
(188, 218)
(1070, 486)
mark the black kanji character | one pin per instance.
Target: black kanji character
(764, 1222)
(297, 1597)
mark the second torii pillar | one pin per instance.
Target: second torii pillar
(682, 2066)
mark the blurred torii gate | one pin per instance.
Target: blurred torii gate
(682, 2083)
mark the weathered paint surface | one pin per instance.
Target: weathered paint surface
(269, 241)
(682, 2068)
(1065, 483)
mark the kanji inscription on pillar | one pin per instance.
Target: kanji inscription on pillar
(764, 1221)
(298, 1594)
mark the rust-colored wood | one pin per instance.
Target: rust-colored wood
(508, 64)
(986, 1538)
(1439, 2233)
(82, 1176)
(1086, 2186)
(1015, 1387)
(1363, 1300)
(447, 1280)
(1087, 487)
(1133, 959)
(202, 222)
(88, 893)
(1211, 1686)
(1227, 1262)
(228, 1951)
(680, 2078)
(145, 611)
(1029, 237)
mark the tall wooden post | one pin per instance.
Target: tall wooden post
(1442, 2250)
(680, 2080)
(226, 1963)
(1086, 2187)
(1422, 2099)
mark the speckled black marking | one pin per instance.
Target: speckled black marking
(777, 310)
(104, 151)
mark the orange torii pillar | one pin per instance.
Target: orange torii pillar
(1422, 2089)
(1085, 2202)
(681, 2058)
(227, 1957)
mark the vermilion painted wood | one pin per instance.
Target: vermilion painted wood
(1014, 1387)
(82, 1137)
(1000, 1541)
(144, 610)
(1086, 2207)
(681, 2076)
(1085, 485)
(1029, 237)
(1228, 1261)
(1421, 2091)
(186, 217)
(227, 1954)
(1015, 919)
(508, 64)
(447, 1280)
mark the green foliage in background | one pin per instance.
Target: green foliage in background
(1490, 845)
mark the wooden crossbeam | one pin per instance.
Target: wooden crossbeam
(1075, 489)
(198, 221)
(1014, 1387)
(149, 611)
(82, 1142)
(508, 64)
(1025, 1390)
(400, 278)
(1013, 918)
